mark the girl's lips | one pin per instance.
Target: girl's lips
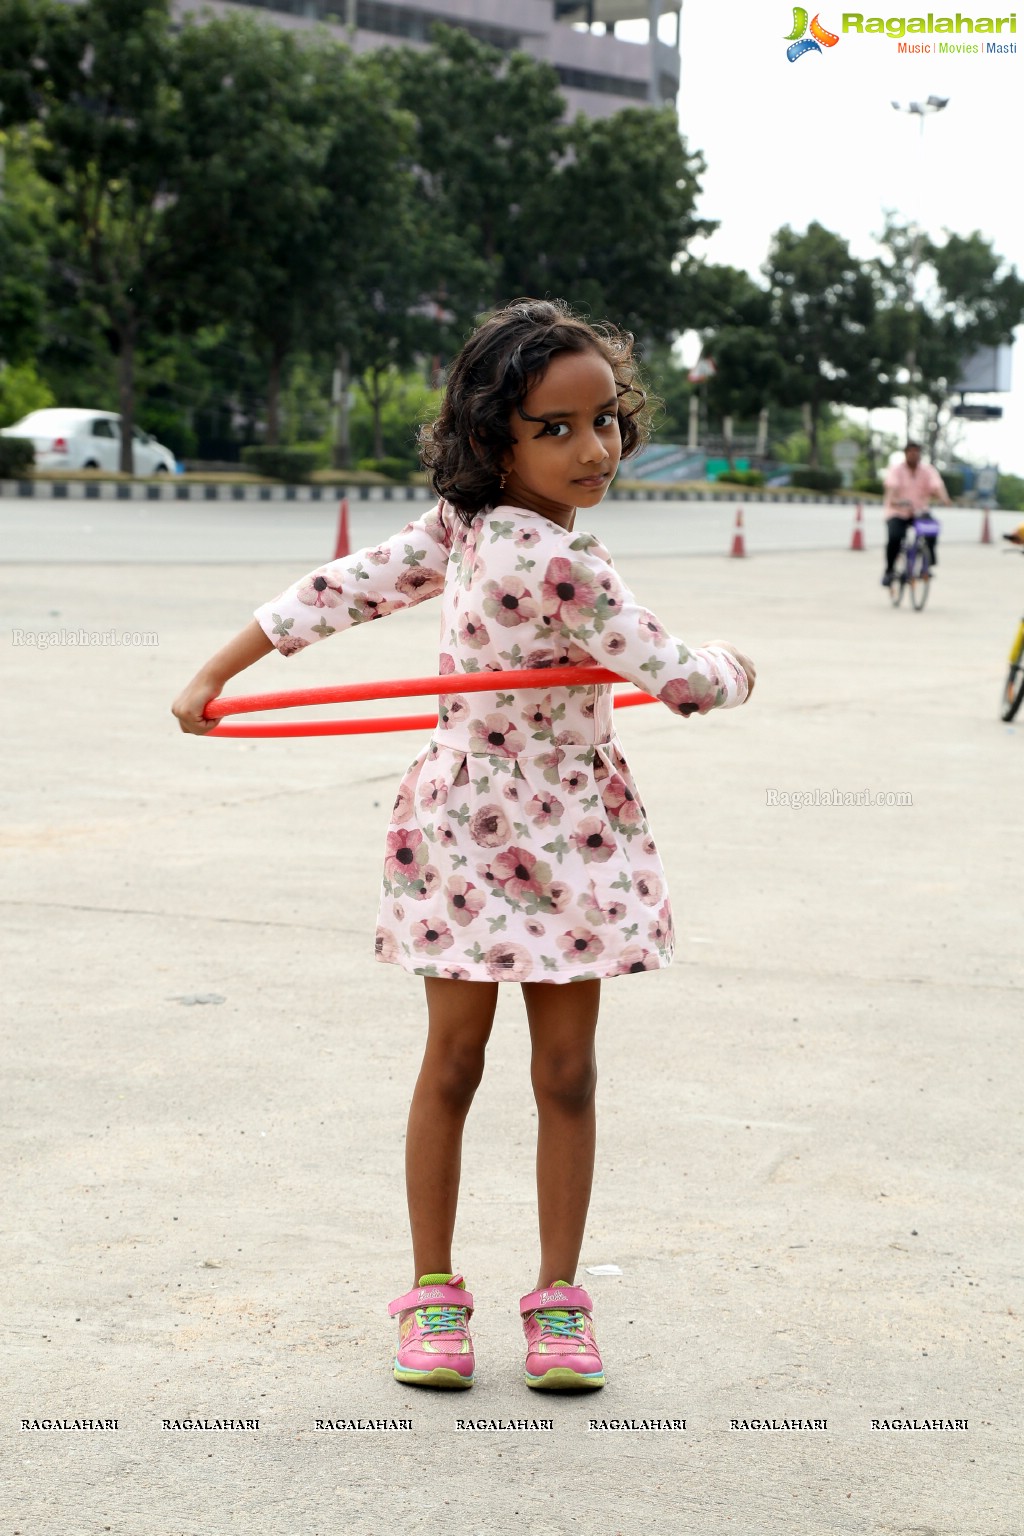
(592, 480)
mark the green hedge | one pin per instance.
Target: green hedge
(751, 477)
(807, 479)
(17, 456)
(870, 486)
(395, 468)
(953, 481)
(292, 465)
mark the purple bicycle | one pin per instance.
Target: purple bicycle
(913, 567)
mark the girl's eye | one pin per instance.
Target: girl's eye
(557, 428)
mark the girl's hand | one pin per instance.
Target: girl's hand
(247, 647)
(191, 701)
(741, 660)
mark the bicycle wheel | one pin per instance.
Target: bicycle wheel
(899, 581)
(1013, 692)
(920, 566)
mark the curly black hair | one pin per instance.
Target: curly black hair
(491, 377)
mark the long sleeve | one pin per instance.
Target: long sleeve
(584, 596)
(404, 570)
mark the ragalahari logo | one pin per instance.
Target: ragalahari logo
(800, 43)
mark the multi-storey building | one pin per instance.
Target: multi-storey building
(600, 71)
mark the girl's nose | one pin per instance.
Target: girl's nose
(592, 449)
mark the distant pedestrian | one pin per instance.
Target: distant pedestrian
(910, 488)
(518, 849)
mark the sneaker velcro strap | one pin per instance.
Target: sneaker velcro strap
(556, 1296)
(432, 1296)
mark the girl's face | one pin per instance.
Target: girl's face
(568, 459)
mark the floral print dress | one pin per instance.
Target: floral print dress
(518, 848)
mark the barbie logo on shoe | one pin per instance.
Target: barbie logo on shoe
(434, 1344)
(561, 1350)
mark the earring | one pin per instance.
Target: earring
(501, 482)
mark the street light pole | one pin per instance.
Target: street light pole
(920, 109)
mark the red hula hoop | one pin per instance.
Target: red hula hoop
(399, 688)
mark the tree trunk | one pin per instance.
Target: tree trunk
(342, 453)
(812, 433)
(377, 401)
(274, 400)
(762, 432)
(727, 440)
(126, 392)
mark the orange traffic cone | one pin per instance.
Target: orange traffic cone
(342, 546)
(986, 531)
(738, 547)
(857, 542)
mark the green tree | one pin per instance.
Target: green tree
(488, 136)
(1010, 493)
(252, 226)
(304, 226)
(619, 217)
(738, 337)
(388, 298)
(942, 300)
(823, 320)
(665, 377)
(21, 391)
(98, 76)
(979, 302)
(25, 230)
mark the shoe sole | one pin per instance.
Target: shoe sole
(562, 1379)
(440, 1376)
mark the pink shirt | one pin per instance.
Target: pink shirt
(918, 486)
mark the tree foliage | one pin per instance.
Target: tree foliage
(941, 301)
(822, 307)
(621, 214)
(488, 138)
(213, 217)
(25, 234)
(96, 77)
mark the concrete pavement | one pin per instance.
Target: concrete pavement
(809, 1127)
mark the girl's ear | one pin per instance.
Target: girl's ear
(503, 462)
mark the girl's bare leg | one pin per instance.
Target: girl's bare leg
(460, 1015)
(563, 1021)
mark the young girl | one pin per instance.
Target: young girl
(518, 849)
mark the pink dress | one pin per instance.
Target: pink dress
(518, 848)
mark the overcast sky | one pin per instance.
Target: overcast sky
(787, 143)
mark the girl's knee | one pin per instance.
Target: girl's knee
(567, 1080)
(455, 1073)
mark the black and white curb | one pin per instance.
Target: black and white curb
(120, 490)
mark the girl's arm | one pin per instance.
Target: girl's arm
(603, 616)
(404, 570)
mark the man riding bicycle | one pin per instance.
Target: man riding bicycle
(909, 489)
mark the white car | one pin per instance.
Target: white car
(77, 439)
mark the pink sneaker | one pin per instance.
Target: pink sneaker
(561, 1350)
(434, 1346)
